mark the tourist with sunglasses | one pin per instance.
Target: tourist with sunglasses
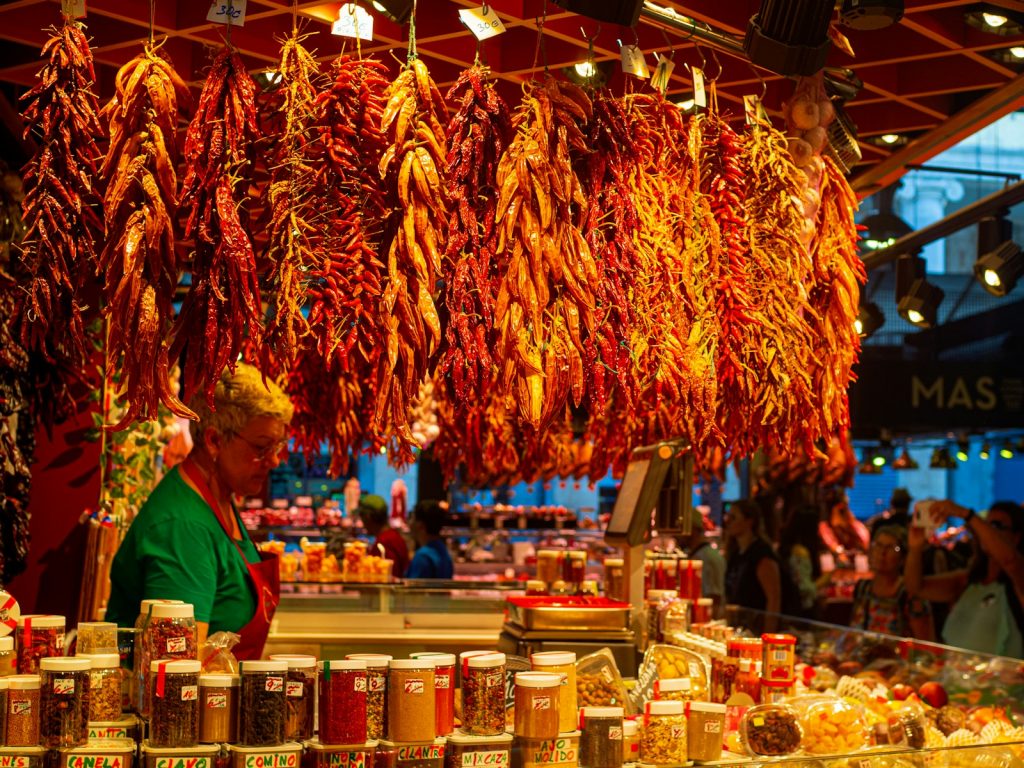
(987, 595)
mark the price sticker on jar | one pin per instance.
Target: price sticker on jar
(274, 684)
(443, 682)
(414, 686)
(494, 679)
(359, 685)
(64, 686)
(713, 726)
(190, 693)
(177, 645)
(217, 701)
(541, 703)
(294, 689)
(678, 731)
(378, 683)
(615, 733)
(21, 707)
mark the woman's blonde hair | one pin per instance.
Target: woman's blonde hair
(239, 398)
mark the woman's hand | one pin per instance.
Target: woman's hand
(916, 539)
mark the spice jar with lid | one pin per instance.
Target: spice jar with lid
(3, 706)
(412, 707)
(343, 702)
(8, 658)
(64, 701)
(444, 683)
(601, 737)
(175, 700)
(38, 636)
(705, 730)
(748, 680)
(653, 603)
(548, 566)
(262, 710)
(170, 633)
(702, 610)
(218, 709)
(663, 736)
(630, 741)
(778, 656)
(691, 579)
(483, 694)
(376, 692)
(575, 568)
(22, 711)
(104, 686)
(299, 695)
(96, 637)
(673, 689)
(615, 579)
(536, 705)
(562, 663)
(140, 662)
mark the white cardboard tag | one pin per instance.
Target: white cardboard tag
(700, 95)
(482, 22)
(225, 11)
(73, 9)
(662, 73)
(633, 62)
(754, 109)
(353, 21)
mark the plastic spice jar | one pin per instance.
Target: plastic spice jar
(38, 636)
(299, 696)
(705, 729)
(22, 711)
(464, 751)
(218, 709)
(140, 660)
(96, 637)
(3, 706)
(8, 658)
(663, 736)
(104, 686)
(779, 656)
(170, 633)
(412, 708)
(562, 663)
(673, 689)
(652, 605)
(776, 691)
(702, 609)
(175, 698)
(575, 568)
(615, 579)
(601, 737)
(483, 694)
(630, 741)
(376, 692)
(548, 569)
(444, 683)
(64, 702)
(536, 705)
(261, 708)
(343, 702)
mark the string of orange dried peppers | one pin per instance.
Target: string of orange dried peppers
(223, 303)
(61, 208)
(139, 260)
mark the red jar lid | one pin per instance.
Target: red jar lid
(779, 639)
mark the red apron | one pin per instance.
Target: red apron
(264, 575)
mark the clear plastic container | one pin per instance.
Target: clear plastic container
(427, 754)
(444, 685)
(218, 708)
(562, 751)
(140, 658)
(575, 567)
(169, 634)
(8, 657)
(770, 730)
(202, 756)
(537, 705)
(598, 683)
(105, 680)
(655, 600)
(615, 579)
(561, 663)
(464, 751)
(64, 702)
(341, 756)
(705, 730)
(174, 693)
(483, 695)
(412, 708)
(778, 656)
(674, 689)
(549, 568)
(376, 692)
(23, 709)
(748, 682)
(23, 757)
(112, 752)
(261, 713)
(663, 735)
(299, 695)
(776, 691)
(601, 737)
(907, 727)
(342, 700)
(834, 727)
(96, 637)
(630, 741)
(286, 755)
(38, 636)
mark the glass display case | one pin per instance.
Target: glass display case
(1006, 753)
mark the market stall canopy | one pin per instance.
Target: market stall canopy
(928, 81)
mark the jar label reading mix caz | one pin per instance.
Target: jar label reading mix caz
(347, 760)
(421, 752)
(64, 686)
(414, 686)
(556, 751)
(183, 762)
(496, 759)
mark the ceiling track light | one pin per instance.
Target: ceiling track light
(998, 271)
(920, 305)
(995, 20)
(870, 14)
(790, 37)
(905, 461)
(869, 319)
(986, 452)
(398, 11)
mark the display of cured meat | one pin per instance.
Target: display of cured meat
(139, 262)
(62, 205)
(291, 206)
(414, 176)
(545, 305)
(222, 306)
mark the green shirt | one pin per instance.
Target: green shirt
(176, 549)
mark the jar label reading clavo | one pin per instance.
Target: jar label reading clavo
(496, 759)
(183, 762)
(347, 760)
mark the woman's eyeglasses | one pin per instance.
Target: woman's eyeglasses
(878, 546)
(264, 452)
(999, 525)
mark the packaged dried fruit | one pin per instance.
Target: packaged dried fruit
(598, 682)
(833, 728)
(770, 730)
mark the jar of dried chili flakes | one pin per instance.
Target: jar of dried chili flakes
(170, 633)
(376, 692)
(343, 701)
(39, 636)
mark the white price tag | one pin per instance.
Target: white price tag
(227, 11)
(754, 110)
(633, 62)
(482, 22)
(73, 9)
(353, 21)
(700, 94)
(662, 73)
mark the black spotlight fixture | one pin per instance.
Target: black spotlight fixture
(1000, 261)
(622, 12)
(885, 227)
(905, 461)
(869, 319)
(790, 37)
(398, 11)
(995, 19)
(963, 448)
(920, 305)
(870, 14)
(986, 452)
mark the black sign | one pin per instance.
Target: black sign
(910, 397)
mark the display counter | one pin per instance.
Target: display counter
(1006, 754)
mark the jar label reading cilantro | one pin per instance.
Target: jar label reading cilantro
(190, 693)
(275, 684)
(414, 686)
(421, 752)
(177, 645)
(347, 760)
(21, 707)
(541, 702)
(615, 733)
(64, 686)
(294, 689)
(359, 684)
(496, 759)
(183, 762)
(217, 701)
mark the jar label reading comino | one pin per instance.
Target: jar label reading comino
(347, 760)
(183, 762)
(494, 759)
(272, 760)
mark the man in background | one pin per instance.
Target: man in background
(432, 559)
(898, 512)
(697, 547)
(388, 542)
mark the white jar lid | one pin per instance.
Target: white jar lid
(603, 712)
(178, 666)
(263, 666)
(707, 706)
(552, 658)
(705, 601)
(23, 682)
(373, 660)
(659, 594)
(42, 620)
(3, 683)
(6, 643)
(501, 740)
(675, 684)
(96, 625)
(102, 660)
(412, 664)
(173, 611)
(536, 585)
(664, 708)
(212, 680)
(538, 680)
(577, 554)
(486, 660)
(338, 665)
(296, 660)
(613, 561)
(439, 659)
(146, 604)
(630, 728)
(64, 664)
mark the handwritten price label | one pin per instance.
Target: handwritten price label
(633, 62)
(353, 21)
(700, 95)
(228, 12)
(274, 685)
(482, 23)
(662, 73)
(64, 686)
(190, 693)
